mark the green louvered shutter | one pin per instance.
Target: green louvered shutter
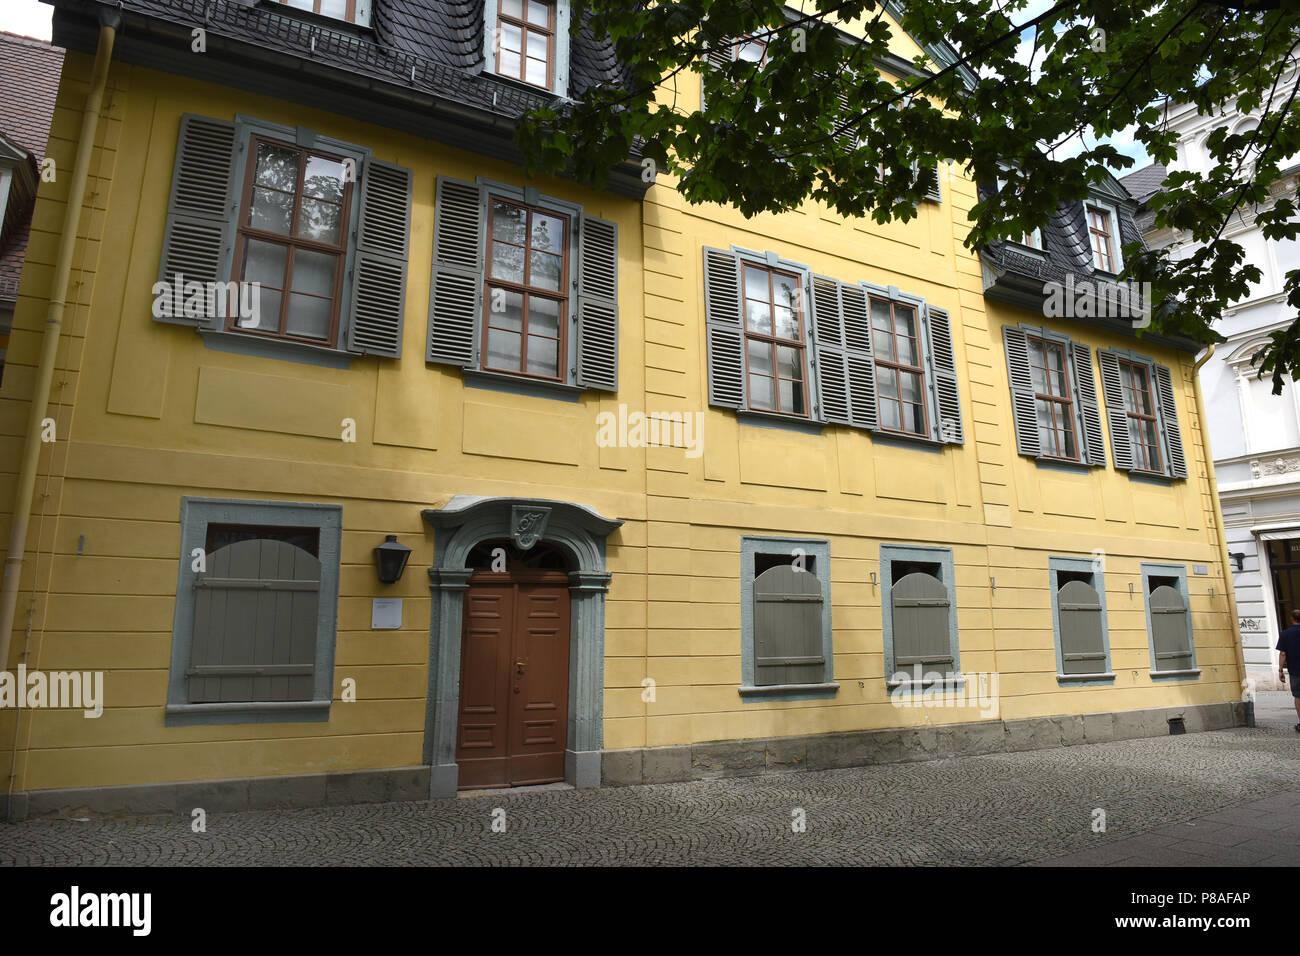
(379, 270)
(726, 338)
(598, 305)
(1169, 629)
(201, 211)
(1116, 414)
(1023, 404)
(929, 178)
(945, 378)
(456, 293)
(1083, 648)
(255, 623)
(1094, 445)
(788, 627)
(832, 372)
(858, 357)
(1177, 464)
(921, 606)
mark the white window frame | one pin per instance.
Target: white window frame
(1117, 243)
(560, 76)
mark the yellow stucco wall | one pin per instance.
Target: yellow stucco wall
(147, 414)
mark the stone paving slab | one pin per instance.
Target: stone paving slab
(1221, 798)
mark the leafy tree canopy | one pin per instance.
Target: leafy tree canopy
(818, 118)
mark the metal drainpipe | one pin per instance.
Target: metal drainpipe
(109, 21)
(1224, 560)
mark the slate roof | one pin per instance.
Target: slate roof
(29, 82)
(1144, 183)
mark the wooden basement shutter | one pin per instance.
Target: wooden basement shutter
(945, 378)
(200, 213)
(723, 325)
(1176, 466)
(379, 271)
(256, 614)
(1116, 416)
(1083, 648)
(1093, 445)
(456, 293)
(788, 627)
(1169, 631)
(921, 606)
(1022, 392)
(598, 305)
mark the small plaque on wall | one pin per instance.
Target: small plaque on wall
(385, 614)
(1200, 569)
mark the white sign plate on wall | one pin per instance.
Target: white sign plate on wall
(385, 614)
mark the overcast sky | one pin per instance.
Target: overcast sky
(31, 18)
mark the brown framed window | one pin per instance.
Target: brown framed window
(526, 301)
(338, 9)
(292, 240)
(900, 368)
(1140, 407)
(774, 340)
(750, 50)
(526, 41)
(1053, 398)
(1099, 234)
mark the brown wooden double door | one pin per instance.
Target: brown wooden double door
(514, 680)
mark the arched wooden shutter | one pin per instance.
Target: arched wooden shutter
(1169, 630)
(788, 627)
(1085, 386)
(1023, 404)
(1116, 415)
(1177, 465)
(456, 289)
(1083, 648)
(201, 210)
(726, 340)
(255, 621)
(598, 305)
(379, 273)
(944, 361)
(921, 608)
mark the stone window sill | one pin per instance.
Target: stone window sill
(1100, 678)
(1177, 675)
(788, 691)
(246, 712)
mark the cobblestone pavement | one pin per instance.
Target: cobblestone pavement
(998, 809)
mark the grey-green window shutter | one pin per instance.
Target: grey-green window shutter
(832, 371)
(726, 339)
(200, 212)
(1177, 465)
(788, 627)
(945, 378)
(1094, 445)
(255, 621)
(1023, 406)
(718, 56)
(379, 271)
(858, 357)
(1083, 648)
(1116, 415)
(456, 288)
(929, 178)
(598, 305)
(921, 606)
(1169, 629)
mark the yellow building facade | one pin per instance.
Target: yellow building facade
(150, 423)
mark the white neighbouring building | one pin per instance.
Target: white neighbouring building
(1255, 434)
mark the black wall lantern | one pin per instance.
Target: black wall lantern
(1239, 559)
(390, 559)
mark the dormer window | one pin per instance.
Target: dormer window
(528, 40)
(751, 50)
(1032, 239)
(1101, 238)
(353, 11)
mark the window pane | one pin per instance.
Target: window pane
(887, 382)
(1135, 437)
(324, 179)
(1067, 436)
(334, 8)
(882, 339)
(535, 71)
(788, 362)
(889, 416)
(911, 386)
(264, 263)
(507, 262)
(506, 309)
(785, 291)
(543, 317)
(915, 419)
(512, 39)
(548, 233)
(787, 325)
(537, 44)
(542, 355)
(760, 392)
(271, 211)
(1038, 375)
(755, 283)
(538, 13)
(314, 272)
(513, 8)
(503, 350)
(758, 316)
(509, 63)
(277, 167)
(309, 316)
(1140, 391)
(544, 271)
(267, 318)
(907, 350)
(1150, 436)
(751, 51)
(1056, 356)
(509, 223)
(760, 357)
(791, 396)
(904, 320)
(319, 221)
